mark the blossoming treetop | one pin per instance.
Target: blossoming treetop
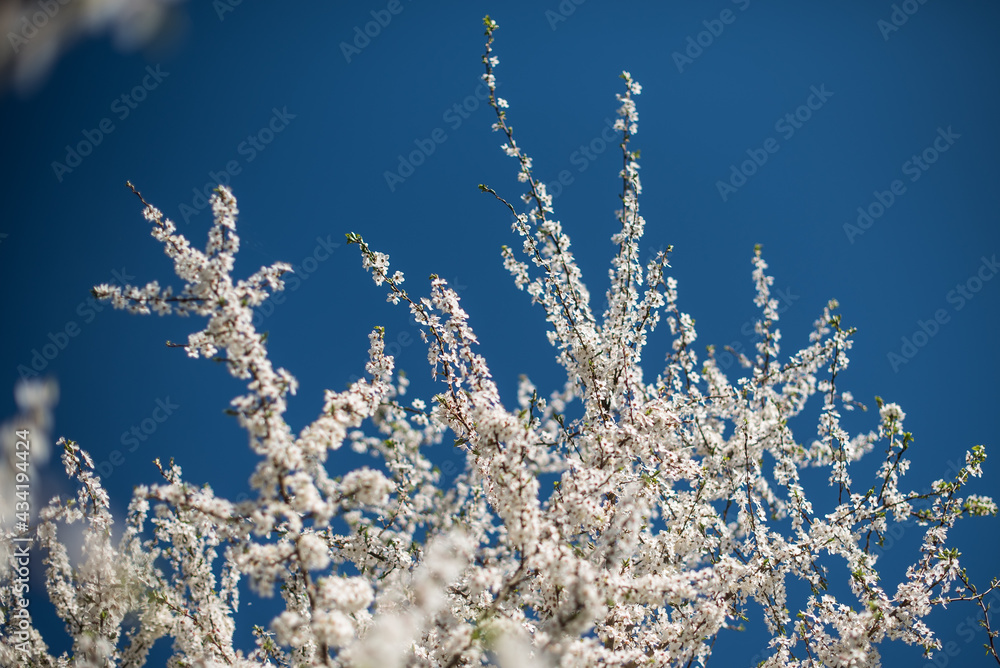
(677, 510)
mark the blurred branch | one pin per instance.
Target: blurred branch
(38, 33)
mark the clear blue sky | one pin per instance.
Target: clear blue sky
(838, 110)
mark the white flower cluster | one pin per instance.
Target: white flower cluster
(677, 507)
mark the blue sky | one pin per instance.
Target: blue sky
(856, 141)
